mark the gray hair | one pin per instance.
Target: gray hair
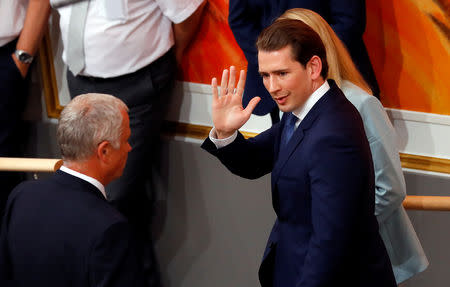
(88, 120)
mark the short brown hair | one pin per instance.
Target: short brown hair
(304, 42)
(340, 64)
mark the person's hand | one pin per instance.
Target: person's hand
(22, 67)
(228, 115)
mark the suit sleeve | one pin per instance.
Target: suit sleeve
(390, 188)
(113, 259)
(340, 173)
(348, 19)
(250, 158)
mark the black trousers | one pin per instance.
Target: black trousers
(147, 94)
(13, 88)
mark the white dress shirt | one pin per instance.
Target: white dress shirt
(123, 36)
(12, 17)
(300, 113)
(84, 177)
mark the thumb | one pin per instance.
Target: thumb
(251, 105)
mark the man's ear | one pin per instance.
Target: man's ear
(103, 151)
(314, 67)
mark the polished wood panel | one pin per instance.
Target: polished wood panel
(49, 84)
(425, 163)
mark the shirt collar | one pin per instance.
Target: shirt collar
(302, 111)
(84, 177)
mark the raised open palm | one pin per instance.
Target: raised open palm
(228, 115)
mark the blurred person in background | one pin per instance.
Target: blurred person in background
(22, 25)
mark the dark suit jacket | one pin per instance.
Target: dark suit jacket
(326, 233)
(247, 18)
(62, 232)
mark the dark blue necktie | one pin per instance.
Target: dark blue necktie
(289, 128)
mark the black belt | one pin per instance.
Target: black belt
(163, 60)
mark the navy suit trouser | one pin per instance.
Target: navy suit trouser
(13, 88)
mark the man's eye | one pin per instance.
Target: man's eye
(264, 76)
(282, 74)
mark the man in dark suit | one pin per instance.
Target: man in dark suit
(61, 231)
(326, 233)
(247, 18)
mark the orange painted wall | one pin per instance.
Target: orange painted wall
(408, 42)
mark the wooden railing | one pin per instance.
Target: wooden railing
(420, 202)
(30, 164)
(413, 202)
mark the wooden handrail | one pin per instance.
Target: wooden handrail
(420, 202)
(411, 202)
(30, 164)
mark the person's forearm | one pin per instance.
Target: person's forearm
(184, 31)
(36, 21)
(249, 159)
(224, 134)
(221, 142)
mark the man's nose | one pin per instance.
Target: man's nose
(273, 85)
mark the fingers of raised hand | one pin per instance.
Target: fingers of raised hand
(214, 89)
(224, 83)
(232, 80)
(228, 83)
(241, 83)
(251, 105)
(228, 86)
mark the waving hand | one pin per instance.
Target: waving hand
(228, 115)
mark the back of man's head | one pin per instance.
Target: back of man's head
(303, 40)
(86, 121)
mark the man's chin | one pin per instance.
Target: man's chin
(285, 108)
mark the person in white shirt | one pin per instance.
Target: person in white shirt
(22, 25)
(61, 231)
(130, 50)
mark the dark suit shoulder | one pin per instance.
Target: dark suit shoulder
(335, 114)
(77, 236)
(65, 201)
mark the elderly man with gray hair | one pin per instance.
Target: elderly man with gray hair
(61, 231)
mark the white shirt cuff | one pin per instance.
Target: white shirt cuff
(221, 142)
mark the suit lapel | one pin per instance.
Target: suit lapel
(297, 137)
(285, 153)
